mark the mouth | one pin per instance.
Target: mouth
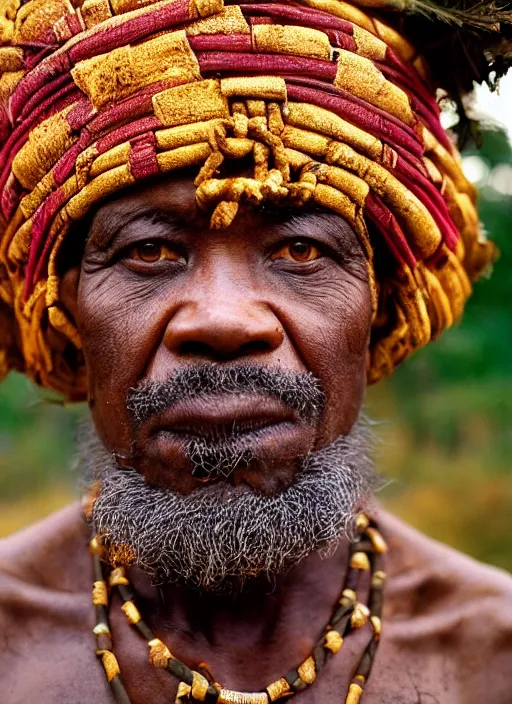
(240, 438)
(218, 418)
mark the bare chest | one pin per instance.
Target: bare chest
(62, 668)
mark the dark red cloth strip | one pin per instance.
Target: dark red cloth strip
(11, 196)
(129, 31)
(260, 20)
(137, 105)
(387, 225)
(270, 64)
(426, 193)
(305, 16)
(427, 110)
(35, 80)
(123, 134)
(405, 75)
(42, 219)
(49, 90)
(359, 113)
(143, 161)
(35, 54)
(221, 42)
(341, 40)
(80, 114)
(20, 135)
(66, 164)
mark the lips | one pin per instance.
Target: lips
(221, 416)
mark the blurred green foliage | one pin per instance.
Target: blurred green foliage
(446, 420)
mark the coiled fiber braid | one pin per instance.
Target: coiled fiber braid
(334, 106)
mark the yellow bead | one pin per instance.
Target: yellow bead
(362, 522)
(359, 616)
(333, 641)
(355, 692)
(95, 546)
(360, 561)
(199, 686)
(183, 693)
(348, 596)
(110, 664)
(228, 696)
(118, 577)
(159, 653)
(307, 671)
(377, 541)
(377, 625)
(278, 689)
(131, 611)
(99, 593)
(378, 578)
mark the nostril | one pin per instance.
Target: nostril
(254, 347)
(195, 348)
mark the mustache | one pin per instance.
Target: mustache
(301, 392)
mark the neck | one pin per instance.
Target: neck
(297, 603)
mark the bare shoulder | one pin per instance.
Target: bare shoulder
(44, 604)
(47, 554)
(450, 615)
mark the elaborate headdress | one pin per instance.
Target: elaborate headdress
(334, 105)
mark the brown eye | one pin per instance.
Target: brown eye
(152, 251)
(298, 251)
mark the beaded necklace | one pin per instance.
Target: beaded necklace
(349, 614)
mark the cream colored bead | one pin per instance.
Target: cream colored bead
(348, 596)
(227, 696)
(183, 693)
(118, 577)
(360, 615)
(101, 629)
(378, 578)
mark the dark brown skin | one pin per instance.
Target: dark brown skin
(235, 296)
(254, 294)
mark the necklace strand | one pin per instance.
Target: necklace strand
(349, 614)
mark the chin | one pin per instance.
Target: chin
(265, 460)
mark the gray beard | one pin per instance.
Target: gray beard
(219, 537)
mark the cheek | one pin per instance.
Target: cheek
(116, 328)
(333, 339)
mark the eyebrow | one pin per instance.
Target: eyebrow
(106, 226)
(335, 224)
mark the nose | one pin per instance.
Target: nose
(223, 328)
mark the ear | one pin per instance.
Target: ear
(68, 290)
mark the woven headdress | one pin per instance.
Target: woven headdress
(334, 106)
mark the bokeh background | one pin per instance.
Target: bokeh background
(444, 420)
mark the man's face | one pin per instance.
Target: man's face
(159, 291)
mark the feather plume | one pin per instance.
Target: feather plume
(463, 42)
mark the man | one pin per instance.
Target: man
(219, 224)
